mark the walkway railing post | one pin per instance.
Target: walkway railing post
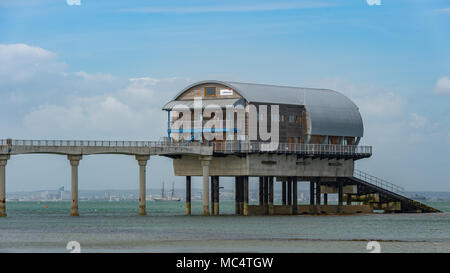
(74, 162)
(142, 161)
(3, 161)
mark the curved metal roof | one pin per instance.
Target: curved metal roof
(331, 113)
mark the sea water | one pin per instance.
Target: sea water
(116, 227)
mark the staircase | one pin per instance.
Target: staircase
(385, 194)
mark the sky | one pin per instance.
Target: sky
(85, 69)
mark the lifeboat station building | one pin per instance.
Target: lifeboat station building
(317, 140)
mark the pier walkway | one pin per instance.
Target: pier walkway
(371, 190)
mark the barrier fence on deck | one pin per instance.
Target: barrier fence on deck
(218, 147)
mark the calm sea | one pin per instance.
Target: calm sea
(116, 227)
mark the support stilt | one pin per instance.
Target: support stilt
(245, 194)
(205, 161)
(294, 195)
(216, 196)
(74, 162)
(270, 204)
(266, 194)
(142, 161)
(3, 162)
(188, 195)
(289, 193)
(261, 191)
(236, 195)
(212, 192)
(340, 196)
(311, 193)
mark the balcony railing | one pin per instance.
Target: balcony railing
(307, 149)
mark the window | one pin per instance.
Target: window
(210, 91)
(291, 118)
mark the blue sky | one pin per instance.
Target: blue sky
(102, 70)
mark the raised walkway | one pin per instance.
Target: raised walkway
(142, 150)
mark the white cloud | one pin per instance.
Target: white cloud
(78, 104)
(20, 62)
(131, 113)
(33, 75)
(418, 121)
(443, 86)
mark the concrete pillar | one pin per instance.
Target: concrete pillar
(266, 194)
(349, 199)
(294, 195)
(245, 194)
(261, 191)
(236, 195)
(142, 161)
(283, 193)
(289, 193)
(216, 196)
(270, 205)
(205, 161)
(340, 196)
(74, 162)
(241, 195)
(318, 193)
(212, 190)
(3, 160)
(311, 193)
(188, 195)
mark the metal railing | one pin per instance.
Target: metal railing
(92, 143)
(307, 149)
(378, 182)
(218, 147)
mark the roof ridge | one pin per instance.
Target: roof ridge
(283, 86)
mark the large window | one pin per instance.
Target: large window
(210, 91)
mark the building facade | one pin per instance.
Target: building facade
(302, 116)
(305, 115)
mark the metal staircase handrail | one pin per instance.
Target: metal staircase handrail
(378, 182)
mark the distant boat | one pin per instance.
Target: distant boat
(419, 197)
(163, 197)
(172, 192)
